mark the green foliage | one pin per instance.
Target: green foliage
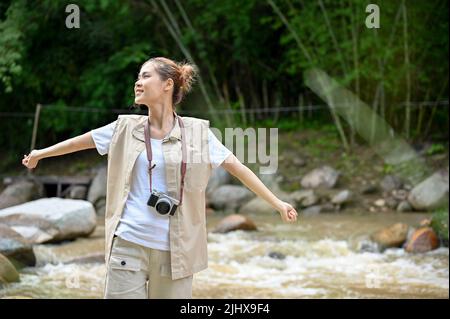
(439, 223)
(242, 48)
(435, 148)
(388, 169)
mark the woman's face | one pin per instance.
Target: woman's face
(148, 88)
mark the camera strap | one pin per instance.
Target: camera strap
(148, 146)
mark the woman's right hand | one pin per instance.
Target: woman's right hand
(31, 160)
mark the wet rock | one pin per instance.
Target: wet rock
(431, 193)
(304, 198)
(424, 239)
(277, 255)
(390, 182)
(342, 197)
(97, 191)
(21, 192)
(230, 197)
(324, 176)
(8, 272)
(404, 206)
(234, 222)
(16, 247)
(393, 236)
(368, 246)
(51, 219)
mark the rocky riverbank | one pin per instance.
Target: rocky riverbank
(314, 183)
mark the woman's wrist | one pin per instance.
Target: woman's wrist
(40, 154)
(279, 204)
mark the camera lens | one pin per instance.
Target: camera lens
(162, 207)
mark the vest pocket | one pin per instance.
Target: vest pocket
(196, 177)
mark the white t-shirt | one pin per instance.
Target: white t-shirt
(141, 223)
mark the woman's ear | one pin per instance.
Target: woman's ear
(169, 84)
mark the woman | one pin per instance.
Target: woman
(149, 252)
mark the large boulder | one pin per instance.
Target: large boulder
(234, 222)
(8, 272)
(431, 193)
(51, 219)
(97, 191)
(21, 192)
(16, 247)
(393, 236)
(230, 197)
(422, 240)
(324, 177)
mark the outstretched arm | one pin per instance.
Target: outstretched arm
(249, 179)
(75, 144)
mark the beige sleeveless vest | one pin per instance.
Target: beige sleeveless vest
(188, 235)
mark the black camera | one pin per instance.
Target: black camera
(163, 203)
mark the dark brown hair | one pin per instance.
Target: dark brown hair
(183, 75)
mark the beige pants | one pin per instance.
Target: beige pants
(138, 272)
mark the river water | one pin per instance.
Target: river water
(318, 257)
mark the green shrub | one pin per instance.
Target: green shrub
(439, 223)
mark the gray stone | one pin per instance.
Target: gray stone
(390, 182)
(369, 189)
(51, 219)
(404, 206)
(391, 202)
(342, 197)
(430, 193)
(324, 176)
(97, 189)
(21, 192)
(304, 198)
(400, 194)
(230, 197)
(312, 210)
(16, 247)
(277, 255)
(77, 192)
(8, 272)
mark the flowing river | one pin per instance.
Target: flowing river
(318, 257)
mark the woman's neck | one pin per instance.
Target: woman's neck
(161, 119)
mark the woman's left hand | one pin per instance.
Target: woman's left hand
(287, 212)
